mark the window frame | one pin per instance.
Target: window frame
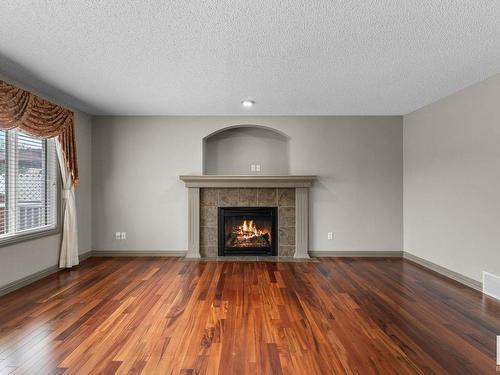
(32, 234)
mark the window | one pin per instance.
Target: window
(28, 185)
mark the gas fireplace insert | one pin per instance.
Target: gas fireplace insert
(247, 231)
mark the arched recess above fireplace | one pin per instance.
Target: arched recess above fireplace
(233, 151)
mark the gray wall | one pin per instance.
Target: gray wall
(233, 151)
(26, 258)
(452, 181)
(137, 160)
(83, 125)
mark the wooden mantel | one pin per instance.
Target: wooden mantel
(247, 181)
(301, 184)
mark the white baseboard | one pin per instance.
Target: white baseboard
(83, 256)
(17, 284)
(474, 284)
(124, 253)
(355, 254)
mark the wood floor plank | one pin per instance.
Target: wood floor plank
(170, 316)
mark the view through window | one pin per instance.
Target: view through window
(28, 184)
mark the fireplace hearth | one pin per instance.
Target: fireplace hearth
(247, 231)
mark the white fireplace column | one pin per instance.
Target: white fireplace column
(193, 223)
(301, 223)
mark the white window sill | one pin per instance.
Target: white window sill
(28, 235)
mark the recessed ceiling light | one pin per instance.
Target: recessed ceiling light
(247, 103)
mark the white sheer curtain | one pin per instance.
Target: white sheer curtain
(69, 245)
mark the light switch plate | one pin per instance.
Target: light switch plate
(330, 235)
(252, 168)
(257, 168)
(124, 235)
(118, 235)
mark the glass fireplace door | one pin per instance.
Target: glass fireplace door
(247, 231)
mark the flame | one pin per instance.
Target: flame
(249, 227)
(248, 230)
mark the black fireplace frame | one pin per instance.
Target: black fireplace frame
(224, 212)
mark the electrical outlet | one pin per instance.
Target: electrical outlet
(257, 168)
(118, 235)
(124, 235)
(252, 168)
(330, 235)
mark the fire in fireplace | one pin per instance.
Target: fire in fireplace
(247, 231)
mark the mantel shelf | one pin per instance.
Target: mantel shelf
(247, 181)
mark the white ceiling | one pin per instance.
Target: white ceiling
(296, 57)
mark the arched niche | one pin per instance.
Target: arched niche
(232, 151)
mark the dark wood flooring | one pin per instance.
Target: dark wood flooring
(169, 316)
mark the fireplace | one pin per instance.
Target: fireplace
(247, 231)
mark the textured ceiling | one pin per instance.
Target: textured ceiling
(292, 57)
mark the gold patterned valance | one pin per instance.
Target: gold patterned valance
(20, 109)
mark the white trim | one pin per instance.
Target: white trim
(17, 284)
(11, 181)
(484, 285)
(193, 223)
(301, 223)
(247, 181)
(135, 253)
(356, 254)
(467, 281)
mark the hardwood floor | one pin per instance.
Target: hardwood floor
(166, 315)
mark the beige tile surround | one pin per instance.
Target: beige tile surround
(212, 198)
